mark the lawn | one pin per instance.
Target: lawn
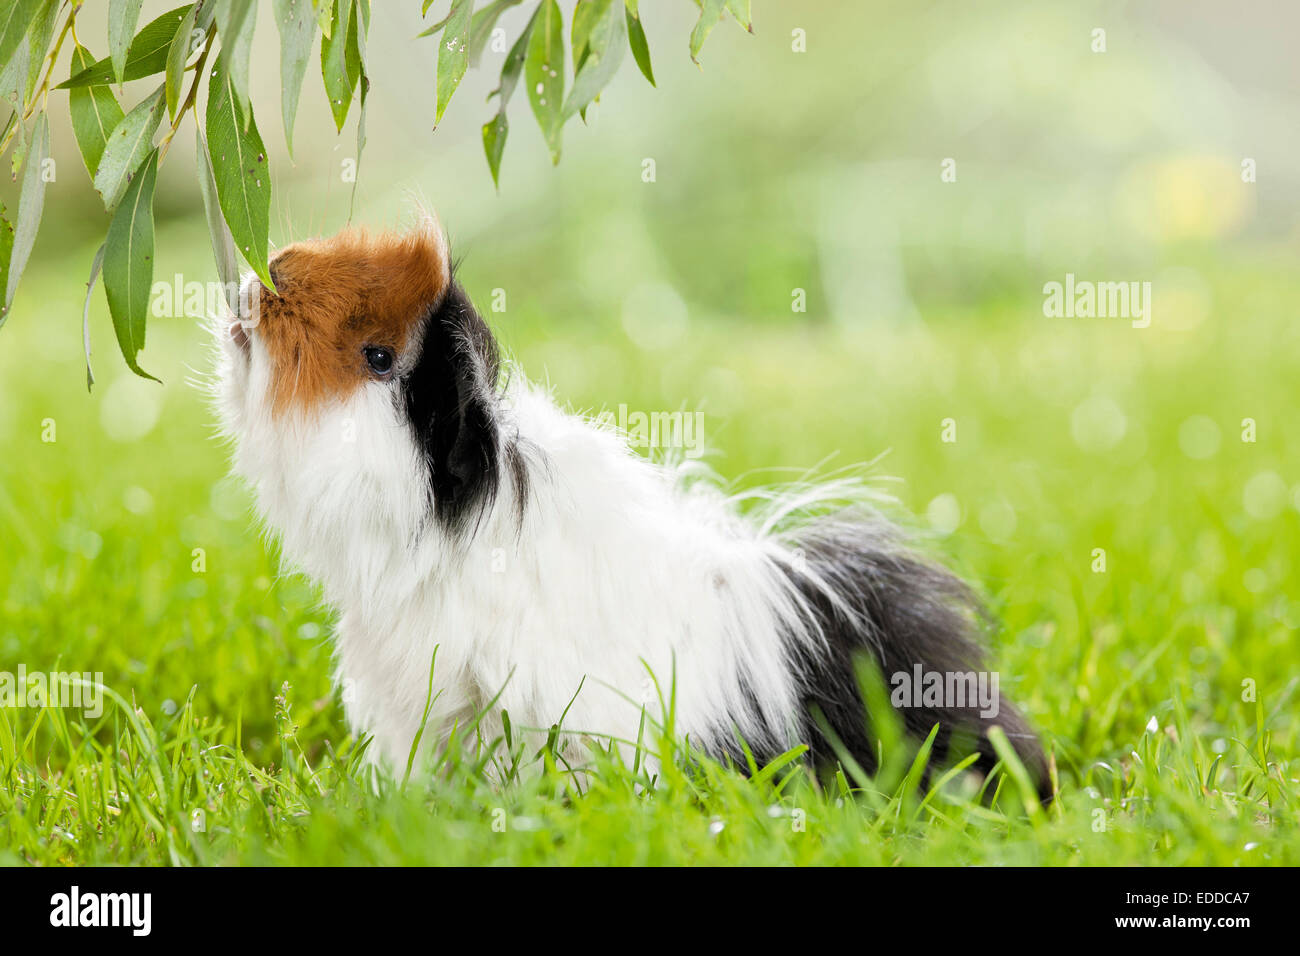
(1165, 684)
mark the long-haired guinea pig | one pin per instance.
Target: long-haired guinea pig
(443, 504)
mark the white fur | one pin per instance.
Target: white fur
(621, 568)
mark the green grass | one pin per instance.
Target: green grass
(221, 695)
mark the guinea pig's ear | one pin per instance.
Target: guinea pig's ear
(450, 400)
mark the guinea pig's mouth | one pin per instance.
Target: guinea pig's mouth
(250, 314)
(240, 337)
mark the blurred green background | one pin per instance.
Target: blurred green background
(775, 171)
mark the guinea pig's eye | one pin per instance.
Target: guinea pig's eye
(379, 359)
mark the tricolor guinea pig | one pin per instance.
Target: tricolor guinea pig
(443, 502)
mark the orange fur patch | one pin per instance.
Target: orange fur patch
(337, 296)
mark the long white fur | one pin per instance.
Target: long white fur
(619, 569)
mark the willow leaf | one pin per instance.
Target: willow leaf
(496, 129)
(340, 75)
(606, 44)
(544, 74)
(146, 56)
(123, 15)
(15, 17)
(640, 46)
(31, 201)
(95, 266)
(177, 56)
(242, 176)
(95, 114)
(710, 14)
(453, 53)
(128, 264)
(297, 25)
(127, 147)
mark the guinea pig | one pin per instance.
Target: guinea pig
(479, 541)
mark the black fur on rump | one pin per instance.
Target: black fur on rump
(451, 402)
(903, 611)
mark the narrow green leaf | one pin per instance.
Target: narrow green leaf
(1016, 769)
(640, 47)
(453, 53)
(178, 55)
(513, 67)
(324, 16)
(18, 156)
(95, 114)
(242, 175)
(361, 143)
(740, 10)
(13, 79)
(436, 28)
(585, 17)
(223, 243)
(38, 42)
(128, 264)
(480, 30)
(297, 24)
(352, 51)
(235, 21)
(207, 13)
(339, 75)
(95, 266)
(710, 13)
(6, 255)
(494, 144)
(123, 15)
(127, 147)
(606, 44)
(31, 202)
(544, 74)
(146, 56)
(15, 18)
(361, 29)
(495, 129)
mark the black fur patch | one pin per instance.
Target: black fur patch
(903, 611)
(450, 399)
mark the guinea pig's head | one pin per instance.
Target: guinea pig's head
(361, 393)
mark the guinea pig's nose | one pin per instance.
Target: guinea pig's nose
(276, 268)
